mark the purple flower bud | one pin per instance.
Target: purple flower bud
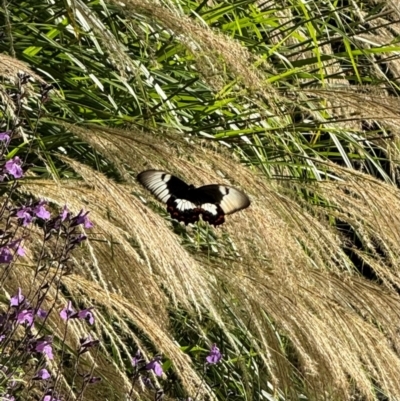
(82, 218)
(13, 167)
(67, 312)
(137, 358)
(155, 366)
(43, 374)
(18, 299)
(214, 356)
(78, 239)
(64, 214)
(87, 343)
(42, 313)
(5, 255)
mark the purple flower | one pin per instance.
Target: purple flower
(67, 312)
(18, 299)
(5, 137)
(41, 313)
(2, 337)
(83, 219)
(43, 374)
(5, 255)
(64, 214)
(25, 214)
(87, 315)
(16, 245)
(41, 212)
(25, 316)
(214, 356)
(13, 167)
(137, 358)
(44, 346)
(155, 366)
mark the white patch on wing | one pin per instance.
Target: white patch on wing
(183, 205)
(224, 190)
(233, 200)
(156, 182)
(210, 208)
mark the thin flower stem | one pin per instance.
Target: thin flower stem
(202, 381)
(62, 355)
(86, 382)
(75, 374)
(134, 380)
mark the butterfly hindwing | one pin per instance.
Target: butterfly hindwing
(186, 203)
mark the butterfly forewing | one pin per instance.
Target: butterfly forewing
(163, 185)
(230, 199)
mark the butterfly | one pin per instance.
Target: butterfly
(186, 202)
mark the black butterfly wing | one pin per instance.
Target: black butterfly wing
(216, 201)
(171, 190)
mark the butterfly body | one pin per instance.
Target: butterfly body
(186, 202)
